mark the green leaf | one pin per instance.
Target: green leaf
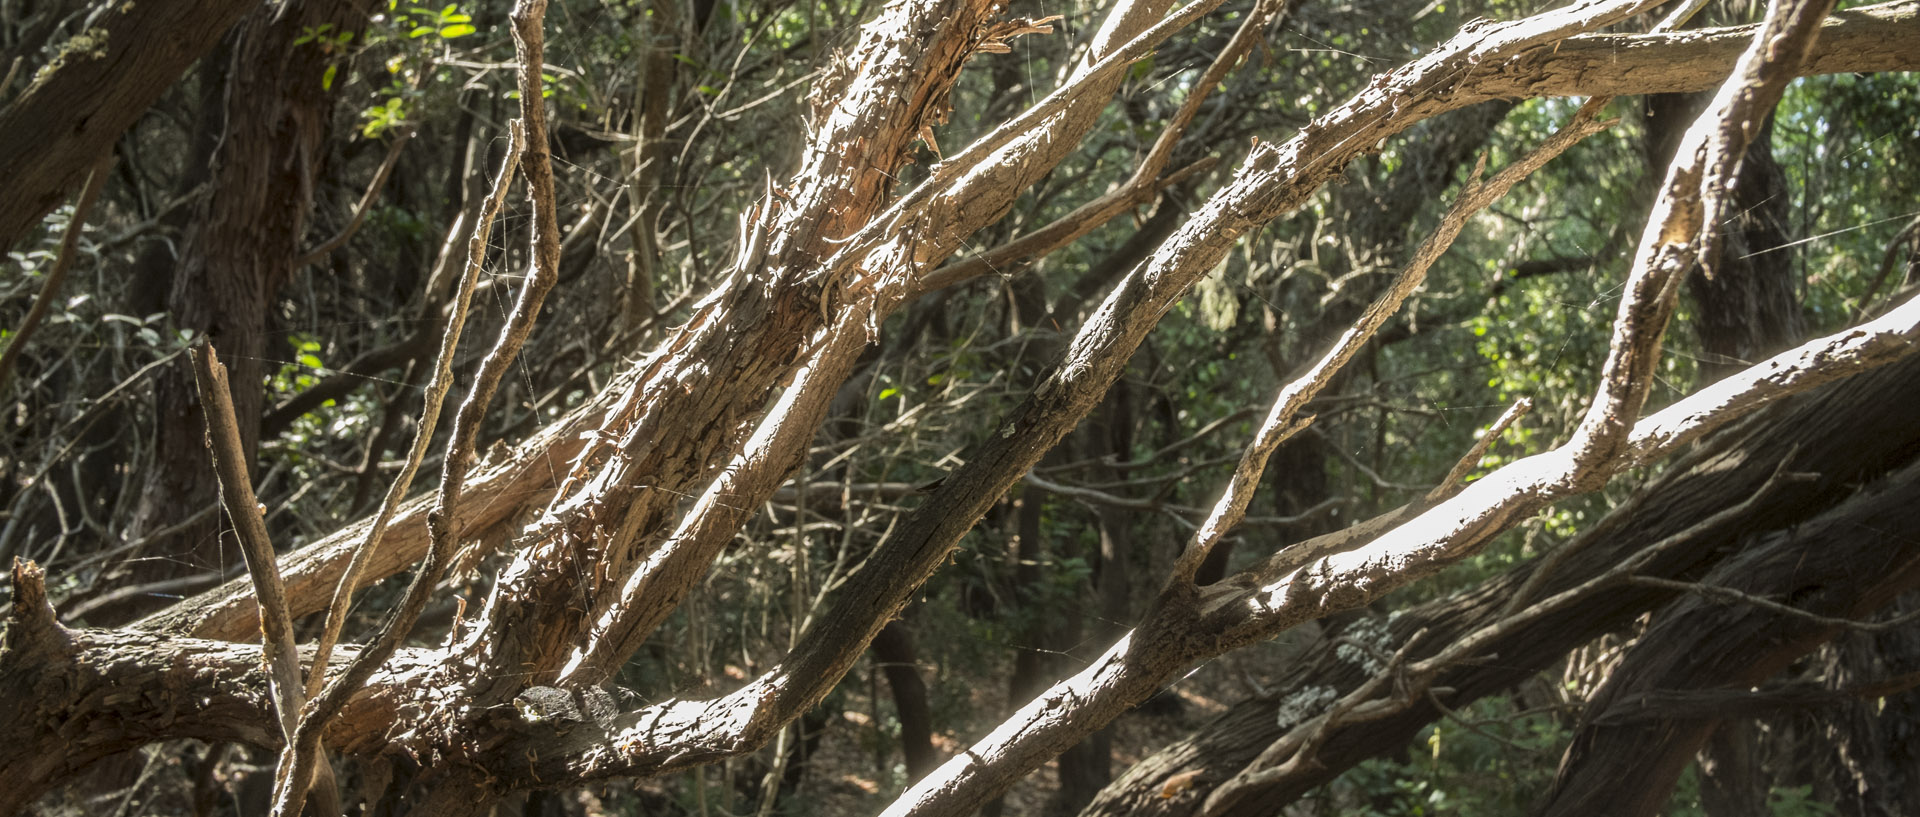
(419, 31)
(456, 30)
(888, 392)
(312, 33)
(326, 79)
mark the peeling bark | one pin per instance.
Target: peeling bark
(1849, 433)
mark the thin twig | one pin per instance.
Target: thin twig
(1728, 594)
(1141, 187)
(318, 254)
(164, 587)
(1736, 702)
(1865, 303)
(429, 413)
(1098, 497)
(13, 70)
(1450, 485)
(50, 288)
(1513, 617)
(250, 527)
(442, 528)
(1283, 421)
(1297, 748)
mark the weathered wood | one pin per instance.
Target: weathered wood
(1847, 433)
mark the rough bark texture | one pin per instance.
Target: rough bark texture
(1848, 433)
(1867, 763)
(1750, 307)
(725, 408)
(1860, 39)
(1374, 223)
(1642, 728)
(103, 80)
(1746, 310)
(79, 695)
(238, 253)
(1614, 64)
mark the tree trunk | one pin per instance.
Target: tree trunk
(700, 434)
(1848, 433)
(1732, 783)
(1866, 762)
(1750, 308)
(1699, 663)
(239, 251)
(101, 82)
(893, 649)
(1087, 767)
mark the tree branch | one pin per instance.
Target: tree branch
(50, 288)
(444, 529)
(250, 526)
(430, 412)
(318, 254)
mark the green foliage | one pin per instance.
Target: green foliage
(383, 117)
(1496, 762)
(1848, 146)
(447, 23)
(410, 36)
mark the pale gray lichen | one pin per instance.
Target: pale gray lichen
(547, 705)
(1306, 703)
(1363, 643)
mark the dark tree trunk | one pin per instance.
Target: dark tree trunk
(1848, 433)
(80, 103)
(1728, 771)
(1747, 311)
(893, 650)
(1697, 664)
(154, 266)
(235, 257)
(1087, 767)
(1750, 308)
(1866, 754)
